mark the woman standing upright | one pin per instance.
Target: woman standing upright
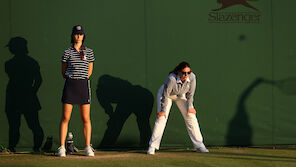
(77, 66)
(179, 87)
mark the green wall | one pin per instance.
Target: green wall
(139, 42)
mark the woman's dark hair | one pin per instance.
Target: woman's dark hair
(82, 46)
(180, 67)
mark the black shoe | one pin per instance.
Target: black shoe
(11, 149)
(36, 151)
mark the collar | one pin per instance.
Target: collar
(81, 49)
(179, 80)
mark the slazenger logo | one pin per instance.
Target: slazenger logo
(215, 16)
(228, 3)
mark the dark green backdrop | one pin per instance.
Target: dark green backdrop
(136, 44)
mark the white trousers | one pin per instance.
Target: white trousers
(190, 120)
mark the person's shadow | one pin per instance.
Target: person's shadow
(130, 99)
(240, 132)
(21, 93)
(239, 129)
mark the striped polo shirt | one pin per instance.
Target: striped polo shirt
(77, 68)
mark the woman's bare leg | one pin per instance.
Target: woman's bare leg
(85, 116)
(66, 115)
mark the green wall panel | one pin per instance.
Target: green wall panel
(136, 44)
(5, 55)
(284, 25)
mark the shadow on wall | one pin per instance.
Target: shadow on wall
(21, 93)
(130, 99)
(239, 130)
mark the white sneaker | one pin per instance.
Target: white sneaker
(151, 151)
(202, 150)
(61, 151)
(89, 151)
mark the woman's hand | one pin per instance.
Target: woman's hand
(191, 110)
(90, 69)
(160, 114)
(64, 68)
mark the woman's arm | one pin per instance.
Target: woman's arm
(90, 69)
(170, 82)
(64, 67)
(166, 93)
(190, 93)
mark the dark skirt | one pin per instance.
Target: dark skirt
(76, 91)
